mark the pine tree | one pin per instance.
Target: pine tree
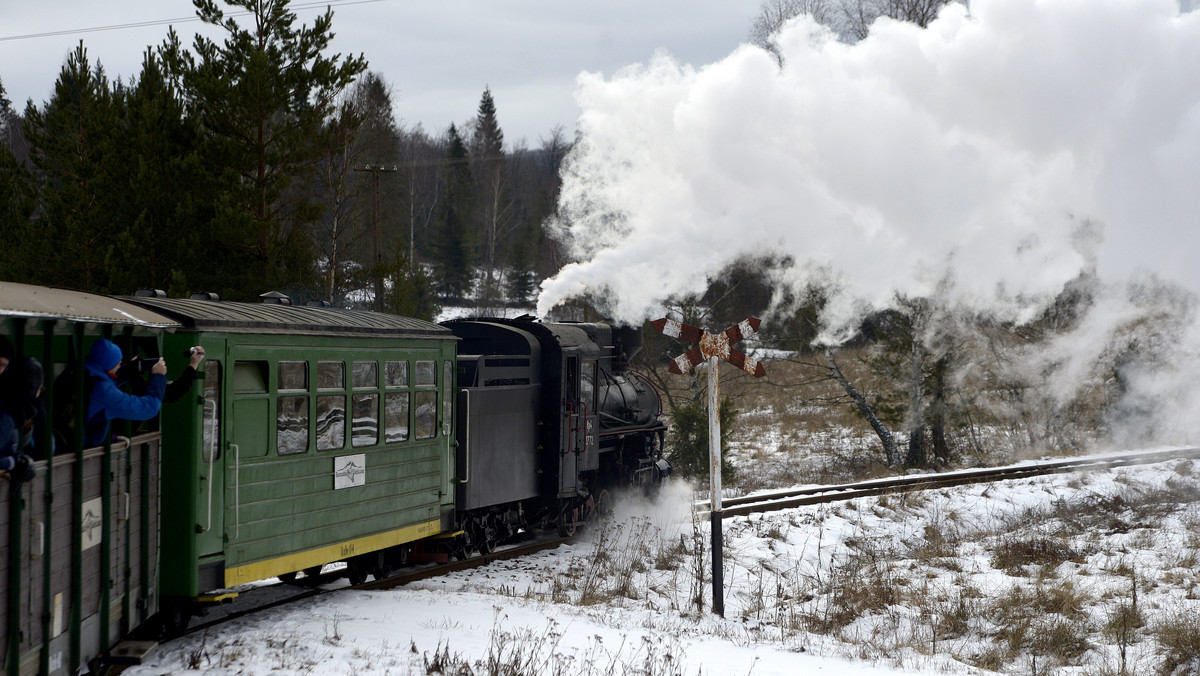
(262, 97)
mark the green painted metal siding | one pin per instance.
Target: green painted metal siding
(271, 505)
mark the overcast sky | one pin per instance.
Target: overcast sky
(438, 56)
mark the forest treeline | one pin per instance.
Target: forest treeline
(259, 163)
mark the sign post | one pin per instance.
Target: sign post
(713, 348)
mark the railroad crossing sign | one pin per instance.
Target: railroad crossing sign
(713, 347)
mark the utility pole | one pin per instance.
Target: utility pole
(377, 228)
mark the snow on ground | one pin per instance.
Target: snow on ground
(1030, 576)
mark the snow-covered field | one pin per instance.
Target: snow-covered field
(1060, 574)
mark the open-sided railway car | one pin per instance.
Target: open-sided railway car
(81, 565)
(321, 435)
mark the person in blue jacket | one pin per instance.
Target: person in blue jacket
(107, 402)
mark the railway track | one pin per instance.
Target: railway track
(778, 500)
(265, 597)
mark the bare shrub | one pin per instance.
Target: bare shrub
(1012, 554)
(863, 582)
(1178, 638)
(1060, 638)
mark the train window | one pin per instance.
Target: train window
(395, 417)
(365, 374)
(426, 373)
(365, 430)
(587, 389)
(395, 374)
(447, 396)
(212, 411)
(331, 421)
(426, 414)
(293, 375)
(331, 375)
(291, 430)
(250, 377)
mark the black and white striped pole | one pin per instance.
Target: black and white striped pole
(713, 348)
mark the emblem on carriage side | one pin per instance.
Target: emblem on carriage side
(349, 471)
(91, 522)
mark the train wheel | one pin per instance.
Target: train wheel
(382, 565)
(603, 504)
(567, 526)
(172, 620)
(356, 571)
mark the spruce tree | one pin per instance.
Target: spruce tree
(452, 251)
(521, 282)
(495, 210)
(72, 149)
(16, 196)
(165, 188)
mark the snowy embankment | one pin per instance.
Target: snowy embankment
(1075, 573)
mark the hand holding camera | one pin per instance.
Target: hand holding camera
(195, 356)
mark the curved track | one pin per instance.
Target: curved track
(777, 500)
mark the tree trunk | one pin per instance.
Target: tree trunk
(885, 436)
(916, 408)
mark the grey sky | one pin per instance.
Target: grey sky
(438, 56)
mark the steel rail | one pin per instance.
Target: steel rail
(778, 500)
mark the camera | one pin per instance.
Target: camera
(145, 364)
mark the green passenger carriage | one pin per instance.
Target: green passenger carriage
(313, 435)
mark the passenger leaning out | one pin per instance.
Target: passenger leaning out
(12, 458)
(106, 401)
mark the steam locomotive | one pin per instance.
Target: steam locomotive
(312, 435)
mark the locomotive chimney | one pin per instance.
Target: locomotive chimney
(629, 343)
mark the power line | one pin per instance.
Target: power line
(164, 22)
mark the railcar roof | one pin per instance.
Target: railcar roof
(237, 317)
(40, 302)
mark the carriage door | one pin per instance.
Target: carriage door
(210, 526)
(572, 433)
(250, 426)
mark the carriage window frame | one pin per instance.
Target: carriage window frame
(397, 398)
(282, 449)
(364, 385)
(211, 415)
(292, 390)
(395, 373)
(331, 388)
(425, 398)
(447, 397)
(405, 431)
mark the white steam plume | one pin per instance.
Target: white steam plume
(976, 150)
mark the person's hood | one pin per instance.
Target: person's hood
(103, 356)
